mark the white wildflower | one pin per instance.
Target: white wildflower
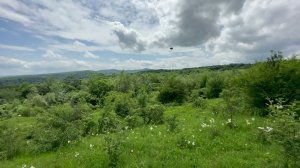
(247, 122)
(126, 127)
(261, 128)
(268, 129)
(253, 119)
(212, 120)
(76, 154)
(91, 146)
(189, 142)
(203, 125)
(32, 167)
(193, 143)
(131, 150)
(69, 141)
(229, 120)
(151, 128)
(24, 165)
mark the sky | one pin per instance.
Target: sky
(47, 36)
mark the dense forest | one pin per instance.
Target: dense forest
(238, 115)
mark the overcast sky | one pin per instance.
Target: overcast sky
(43, 36)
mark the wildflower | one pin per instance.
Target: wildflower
(253, 119)
(32, 167)
(76, 154)
(69, 141)
(268, 129)
(91, 146)
(247, 122)
(189, 142)
(151, 128)
(193, 143)
(126, 127)
(279, 107)
(24, 165)
(131, 150)
(261, 128)
(228, 121)
(203, 125)
(212, 120)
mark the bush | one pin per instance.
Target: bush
(109, 122)
(274, 79)
(121, 103)
(200, 102)
(283, 129)
(153, 114)
(214, 87)
(174, 91)
(25, 111)
(9, 143)
(98, 89)
(134, 121)
(52, 133)
(172, 123)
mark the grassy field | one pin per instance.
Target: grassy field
(201, 139)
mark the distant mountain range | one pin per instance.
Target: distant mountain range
(13, 80)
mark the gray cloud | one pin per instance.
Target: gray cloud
(198, 21)
(129, 38)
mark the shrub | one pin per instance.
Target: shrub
(172, 123)
(121, 103)
(134, 121)
(9, 143)
(174, 91)
(98, 89)
(153, 114)
(52, 133)
(25, 111)
(109, 122)
(274, 79)
(284, 129)
(200, 102)
(112, 148)
(214, 87)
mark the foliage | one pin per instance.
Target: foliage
(214, 87)
(274, 79)
(172, 123)
(153, 114)
(284, 129)
(109, 122)
(173, 91)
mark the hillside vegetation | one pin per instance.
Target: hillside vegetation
(234, 116)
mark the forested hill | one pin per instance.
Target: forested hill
(15, 80)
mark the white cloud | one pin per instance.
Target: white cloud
(51, 55)
(88, 54)
(202, 32)
(76, 46)
(16, 48)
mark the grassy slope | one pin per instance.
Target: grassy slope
(216, 146)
